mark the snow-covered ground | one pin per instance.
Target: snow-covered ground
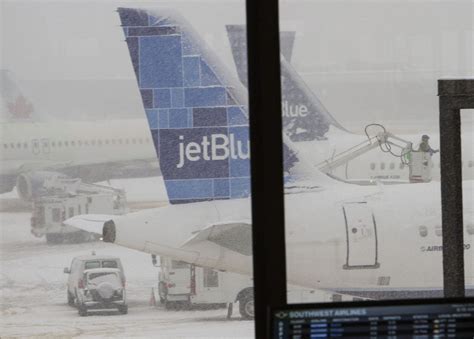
(33, 292)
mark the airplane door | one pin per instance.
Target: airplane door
(35, 146)
(361, 231)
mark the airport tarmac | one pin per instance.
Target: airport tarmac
(33, 294)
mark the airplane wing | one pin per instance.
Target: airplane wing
(92, 223)
(235, 236)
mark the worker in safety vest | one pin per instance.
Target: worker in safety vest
(425, 145)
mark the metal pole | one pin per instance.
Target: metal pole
(454, 95)
(269, 260)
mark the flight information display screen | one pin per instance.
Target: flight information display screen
(375, 320)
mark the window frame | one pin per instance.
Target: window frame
(268, 231)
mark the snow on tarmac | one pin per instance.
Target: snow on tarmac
(33, 294)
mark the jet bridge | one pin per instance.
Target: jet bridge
(419, 163)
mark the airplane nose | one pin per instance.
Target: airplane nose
(108, 231)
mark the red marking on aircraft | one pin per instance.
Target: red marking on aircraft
(21, 108)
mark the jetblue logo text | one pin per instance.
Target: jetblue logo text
(293, 111)
(213, 147)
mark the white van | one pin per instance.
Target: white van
(182, 285)
(103, 289)
(87, 262)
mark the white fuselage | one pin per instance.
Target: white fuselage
(377, 165)
(32, 146)
(344, 236)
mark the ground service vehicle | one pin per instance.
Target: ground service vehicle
(80, 264)
(183, 285)
(102, 289)
(64, 198)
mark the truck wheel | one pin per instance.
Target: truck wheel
(246, 306)
(54, 238)
(170, 305)
(162, 291)
(82, 310)
(123, 309)
(70, 299)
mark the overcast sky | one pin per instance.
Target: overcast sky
(364, 59)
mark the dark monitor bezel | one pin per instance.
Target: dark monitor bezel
(363, 303)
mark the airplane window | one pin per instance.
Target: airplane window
(73, 143)
(25, 145)
(382, 165)
(140, 141)
(12, 145)
(147, 140)
(18, 145)
(60, 143)
(470, 164)
(5, 145)
(93, 142)
(126, 141)
(392, 165)
(120, 141)
(107, 141)
(79, 142)
(402, 165)
(134, 141)
(66, 143)
(86, 142)
(113, 141)
(99, 142)
(372, 166)
(53, 143)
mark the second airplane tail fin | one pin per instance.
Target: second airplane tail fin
(305, 118)
(13, 104)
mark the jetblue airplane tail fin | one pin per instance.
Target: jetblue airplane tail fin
(304, 117)
(196, 109)
(14, 106)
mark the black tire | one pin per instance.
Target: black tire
(123, 309)
(54, 238)
(70, 299)
(246, 306)
(170, 305)
(82, 310)
(162, 292)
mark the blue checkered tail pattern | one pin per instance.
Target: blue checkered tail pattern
(196, 109)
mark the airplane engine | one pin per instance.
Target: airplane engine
(32, 185)
(7, 183)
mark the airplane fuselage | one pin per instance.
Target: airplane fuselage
(377, 165)
(337, 238)
(56, 145)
